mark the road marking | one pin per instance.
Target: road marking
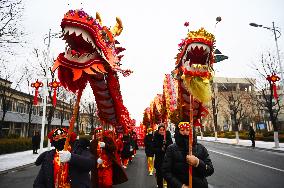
(246, 160)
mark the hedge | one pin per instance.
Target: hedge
(265, 136)
(16, 145)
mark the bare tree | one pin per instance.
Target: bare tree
(268, 66)
(239, 107)
(11, 31)
(90, 108)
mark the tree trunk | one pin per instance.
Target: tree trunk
(237, 137)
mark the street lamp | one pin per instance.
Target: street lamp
(276, 42)
(276, 140)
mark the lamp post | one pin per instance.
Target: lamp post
(277, 49)
(45, 88)
(273, 28)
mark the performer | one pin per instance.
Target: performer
(119, 146)
(177, 160)
(107, 171)
(126, 153)
(77, 163)
(149, 150)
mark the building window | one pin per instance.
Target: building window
(21, 108)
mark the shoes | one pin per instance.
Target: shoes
(151, 174)
(124, 166)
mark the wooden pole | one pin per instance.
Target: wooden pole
(70, 130)
(190, 137)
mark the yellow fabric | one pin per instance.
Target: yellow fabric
(150, 164)
(198, 87)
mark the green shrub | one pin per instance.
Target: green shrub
(16, 145)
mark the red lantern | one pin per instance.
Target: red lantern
(54, 85)
(36, 85)
(273, 78)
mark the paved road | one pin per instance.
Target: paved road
(136, 172)
(235, 167)
(239, 167)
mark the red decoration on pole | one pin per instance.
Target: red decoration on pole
(36, 85)
(54, 85)
(273, 78)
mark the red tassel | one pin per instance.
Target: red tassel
(275, 91)
(35, 97)
(54, 97)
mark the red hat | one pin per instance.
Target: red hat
(60, 133)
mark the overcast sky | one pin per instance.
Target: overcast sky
(153, 29)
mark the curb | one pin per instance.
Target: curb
(16, 168)
(258, 148)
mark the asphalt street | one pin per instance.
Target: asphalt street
(235, 167)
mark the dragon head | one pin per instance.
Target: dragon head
(194, 63)
(90, 48)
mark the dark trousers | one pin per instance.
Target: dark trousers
(34, 149)
(159, 177)
(252, 142)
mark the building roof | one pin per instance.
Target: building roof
(234, 80)
(24, 118)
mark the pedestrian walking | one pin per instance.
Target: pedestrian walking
(160, 145)
(252, 136)
(149, 150)
(177, 161)
(35, 142)
(76, 163)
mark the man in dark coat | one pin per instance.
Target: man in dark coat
(149, 150)
(252, 136)
(161, 142)
(177, 160)
(79, 163)
(35, 142)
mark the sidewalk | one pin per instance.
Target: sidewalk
(13, 161)
(246, 143)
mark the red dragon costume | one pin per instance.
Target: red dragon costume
(92, 55)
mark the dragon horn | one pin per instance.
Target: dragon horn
(98, 17)
(117, 29)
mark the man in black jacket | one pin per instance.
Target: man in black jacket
(78, 163)
(161, 142)
(177, 160)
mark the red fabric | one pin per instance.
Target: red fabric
(275, 92)
(122, 113)
(54, 97)
(35, 97)
(65, 76)
(56, 167)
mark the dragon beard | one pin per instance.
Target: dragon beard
(199, 88)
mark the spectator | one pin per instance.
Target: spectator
(252, 136)
(35, 142)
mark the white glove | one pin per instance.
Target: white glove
(64, 156)
(102, 144)
(99, 161)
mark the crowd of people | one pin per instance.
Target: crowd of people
(101, 162)
(98, 163)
